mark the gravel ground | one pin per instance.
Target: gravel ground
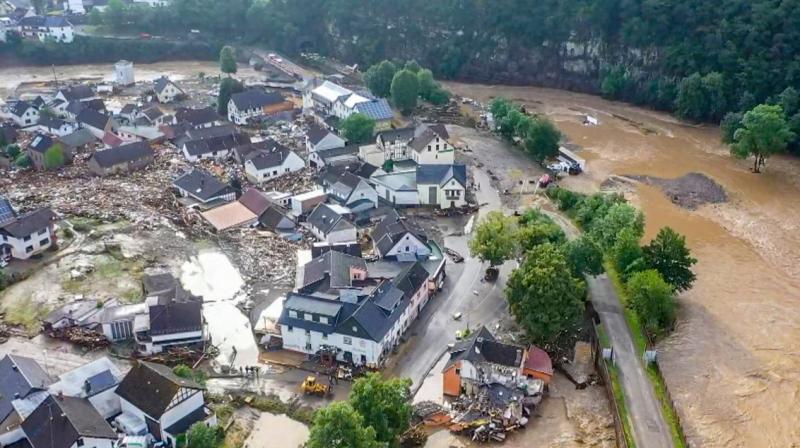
(689, 191)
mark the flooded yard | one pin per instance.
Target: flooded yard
(732, 364)
(277, 431)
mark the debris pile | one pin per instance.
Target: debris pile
(82, 336)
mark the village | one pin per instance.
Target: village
(201, 259)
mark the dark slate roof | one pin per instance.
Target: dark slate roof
(123, 154)
(387, 296)
(152, 113)
(7, 212)
(439, 174)
(100, 381)
(269, 158)
(19, 376)
(393, 135)
(440, 130)
(78, 92)
(51, 122)
(333, 265)
(60, 422)
(21, 107)
(176, 317)
(56, 22)
(254, 98)
(21, 443)
(162, 82)
(158, 283)
(272, 217)
(202, 184)
(151, 387)
(196, 117)
(327, 154)
(377, 110)
(325, 218)
(128, 109)
(80, 137)
(29, 223)
(369, 321)
(334, 310)
(220, 143)
(255, 201)
(411, 279)
(93, 118)
(213, 131)
(41, 143)
(352, 248)
(423, 134)
(392, 228)
(316, 133)
(483, 347)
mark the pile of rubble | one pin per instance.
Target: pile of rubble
(80, 336)
(261, 255)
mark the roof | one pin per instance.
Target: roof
(7, 212)
(440, 174)
(88, 379)
(325, 218)
(80, 137)
(424, 133)
(196, 117)
(41, 143)
(76, 310)
(151, 387)
(303, 304)
(483, 347)
(538, 360)
(77, 92)
(123, 154)
(21, 107)
(254, 98)
(202, 185)
(316, 133)
(393, 135)
(111, 140)
(218, 143)
(92, 118)
(159, 283)
(128, 109)
(176, 317)
(162, 83)
(330, 91)
(255, 201)
(398, 181)
(269, 158)
(378, 110)
(19, 377)
(273, 216)
(60, 422)
(348, 150)
(51, 122)
(229, 215)
(29, 223)
(333, 265)
(392, 228)
(152, 113)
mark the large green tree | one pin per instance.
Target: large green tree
(544, 297)
(619, 217)
(764, 132)
(404, 90)
(201, 436)
(540, 138)
(54, 157)
(627, 254)
(379, 78)
(494, 239)
(652, 299)
(227, 87)
(340, 426)
(357, 128)
(384, 404)
(227, 60)
(584, 257)
(668, 255)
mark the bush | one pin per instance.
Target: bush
(652, 299)
(564, 199)
(23, 161)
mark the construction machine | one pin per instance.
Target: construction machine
(311, 386)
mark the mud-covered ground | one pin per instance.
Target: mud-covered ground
(732, 364)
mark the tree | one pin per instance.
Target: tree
(536, 228)
(764, 132)
(584, 257)
(357, 128)
(438, 97)
(412, 66)
(692, 101)
(54, 157)
(95, 17)
(615, 82)
(544, 297)
(340, 426)
(652, 299)
(730, 123)
(717, 103)
(619, 217)
(789, 100)
(427, 85)
(384, 405)
(379, 78)
(500, 107)
(627, 254)
(495, 238)
(22, 161)
(227, 60)
(404, 91)
(227, 87)
(201, 436)
(3, 280)
(541, 138)
(668, 255)
(115, 13)
(508, 125)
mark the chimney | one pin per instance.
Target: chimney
(60, 396)
(87, 387)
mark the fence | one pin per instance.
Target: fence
(605, 375)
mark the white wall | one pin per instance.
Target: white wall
(363, 191)
(181, 410)
(192, 158)
(409, 245)
(430, 155)
(342, 236)
(168, 94)
(19, 246)
(30, 117)
(292, 163)
(442, 200)
(91, 442)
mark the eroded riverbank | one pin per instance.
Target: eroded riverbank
(732, 363)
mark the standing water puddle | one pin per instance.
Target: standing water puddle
(277, 431)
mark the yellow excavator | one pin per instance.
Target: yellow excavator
(311, 386)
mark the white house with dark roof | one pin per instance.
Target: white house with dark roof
(430, 146)
(78, 92)
(203, 188)
(342, 155)
(268, 164)
(328, 223)
(166, 90)
(352, 191)
(95, 381)
(444, 186)
(68, 422)
(166, 405)
(255, 104)
(56, 28)
(55, 126)
(216, 147)
(400, 238)
(23, 386)
(28, 234)
(97, 123)
(319, 138)
(24, 114)
(204, 117)
(398, 188)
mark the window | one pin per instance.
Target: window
(29, 249)
(437, 147)
(27, 238)
(458, 371)
(325, 336)
(429, 148)
(293, 313)
(308, 316)
(291, 328)
(407, 248)
(323, 319)
(275, 172)
(355, 329)
(44, 242)
(315, 318)
(287, 170)
(347, 340)
(79, 442)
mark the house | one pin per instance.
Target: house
(95, 381)
(352, 191)
(430, 146)
(378, 110)
(166, 90)
(56, 28)
(203, 188)
(277, 219)
(399, 238)
(333, 272)
(22, 382)
(272, 163)
(213, 147)
(55, 126)
(183, 135)
(256, 104)
(68, 422)
(320, 96)
(152, 396)
(78, 139)
(39, 146)
(79, 92)
(24, 114)
(362, 330)
(121, 159)
(538, 365)
(319, 138)
(75, 107)
(152, 116)
(442, 185)
(343, 155)
(123, 73)
(398, 188)
(479, 360)
(78, 313)
(129, 112)
(205, 117)
(306, 202)
(394, 143)
(97, 123)
(230, 215)
(328, 223)
(27, 235)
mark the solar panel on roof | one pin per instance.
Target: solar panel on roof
(6, 211)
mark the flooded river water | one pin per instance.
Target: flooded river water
(732, 365)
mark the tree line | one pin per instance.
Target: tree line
(536, 134)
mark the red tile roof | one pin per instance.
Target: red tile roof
(538, 360)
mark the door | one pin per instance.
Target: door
(153, 427)
(432, 196)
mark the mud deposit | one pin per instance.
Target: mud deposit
(689, 191)
(732, 365)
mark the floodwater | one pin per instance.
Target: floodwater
(211, 274)
(277, 431)
(732, 365)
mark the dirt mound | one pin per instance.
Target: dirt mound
(689, 191)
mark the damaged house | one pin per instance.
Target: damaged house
(328, 223)
(399, 238)
(351, 191)
(23, 386)
(26, 235)
(272, 162)
(255, 104)
(166, 90)
(121, 159)
(202, 188)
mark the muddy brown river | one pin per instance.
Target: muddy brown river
(733, 363)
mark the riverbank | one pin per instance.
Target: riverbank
(730, 364)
